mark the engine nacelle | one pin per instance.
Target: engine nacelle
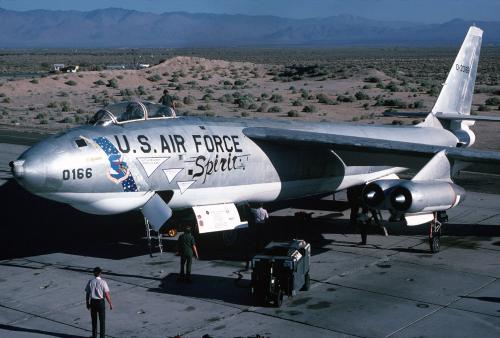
(425, 196)
(375, 194)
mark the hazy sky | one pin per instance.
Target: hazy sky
(407, 10)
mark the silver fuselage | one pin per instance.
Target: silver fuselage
(200, 161)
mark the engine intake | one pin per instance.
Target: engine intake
(375, 194)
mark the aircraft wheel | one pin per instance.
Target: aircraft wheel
(278, 298)
(307, 283)
(230, 237)
(435, 243)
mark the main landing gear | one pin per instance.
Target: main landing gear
(435, 234)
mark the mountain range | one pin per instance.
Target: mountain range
(115, 27)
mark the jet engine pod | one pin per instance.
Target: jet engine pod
(374, 194)
(425, 196)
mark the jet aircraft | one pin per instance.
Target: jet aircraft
(141, 156)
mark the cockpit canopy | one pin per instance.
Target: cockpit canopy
(123, 112)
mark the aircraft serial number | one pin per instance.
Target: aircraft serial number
(77, 174)
(462, 68)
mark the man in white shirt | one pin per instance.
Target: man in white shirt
(96, 290)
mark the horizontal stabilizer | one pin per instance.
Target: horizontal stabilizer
(447, 117)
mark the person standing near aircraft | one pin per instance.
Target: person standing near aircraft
(186, 248)
(96, 290)
(363, 222)
(167, 100)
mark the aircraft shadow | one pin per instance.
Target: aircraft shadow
(18, 329)
(225, 289)
(34, 226)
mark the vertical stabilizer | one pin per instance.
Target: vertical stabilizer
(456, 94)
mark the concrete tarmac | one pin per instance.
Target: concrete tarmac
(392, 287)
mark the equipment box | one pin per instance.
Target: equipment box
(281, 269)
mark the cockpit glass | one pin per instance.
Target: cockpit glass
(127, 111)
(158, 111)
(131, 111)
(102, 118)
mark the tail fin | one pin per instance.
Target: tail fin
(456, 94)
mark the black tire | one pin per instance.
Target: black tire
(278, 298)
(307, 282)
(435, 243)
(230, 238)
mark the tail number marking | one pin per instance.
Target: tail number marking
(462, 68)
(76, 174)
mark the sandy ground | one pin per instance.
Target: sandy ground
(60, 101)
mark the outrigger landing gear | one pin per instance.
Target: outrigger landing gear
(149, 238)
(435, 234)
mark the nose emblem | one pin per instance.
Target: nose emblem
(17, 168)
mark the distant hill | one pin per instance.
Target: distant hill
(114, 27)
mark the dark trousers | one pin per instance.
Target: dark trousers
(186, 261)
(98, 308)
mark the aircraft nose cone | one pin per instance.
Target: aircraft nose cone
(17, 168)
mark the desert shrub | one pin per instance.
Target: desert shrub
(418, 105)
(226, 98)
(276, 98)
(204, 107)
(492, 101)
(361, 96)
(264, 107)
(372, 79)
(65, 106)
(392, 87)
(343, 98)
(391, 103)
(151, 98)
(293, 113)
(40, 116)
(190, 99)
(245, 114)
(44, 121)
(99, 82)
(154, 78)
(52, 105)
(310, 109)
(239, 83)
(482, 108)
(297, 103)
(207, 97)
(113, 83)
(322, 98)
(274, 109)
(70, 83)
(67, 119)
(141, 90)
(119, 77)
(126, 92)
(6, 100)
(34, 81)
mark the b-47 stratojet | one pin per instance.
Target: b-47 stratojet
(140, 156)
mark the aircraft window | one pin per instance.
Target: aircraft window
(128, 111)
(158, 111)
(102, 118)
(80, 143)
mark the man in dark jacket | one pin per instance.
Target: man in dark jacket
(186, 248)
(167, 100)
